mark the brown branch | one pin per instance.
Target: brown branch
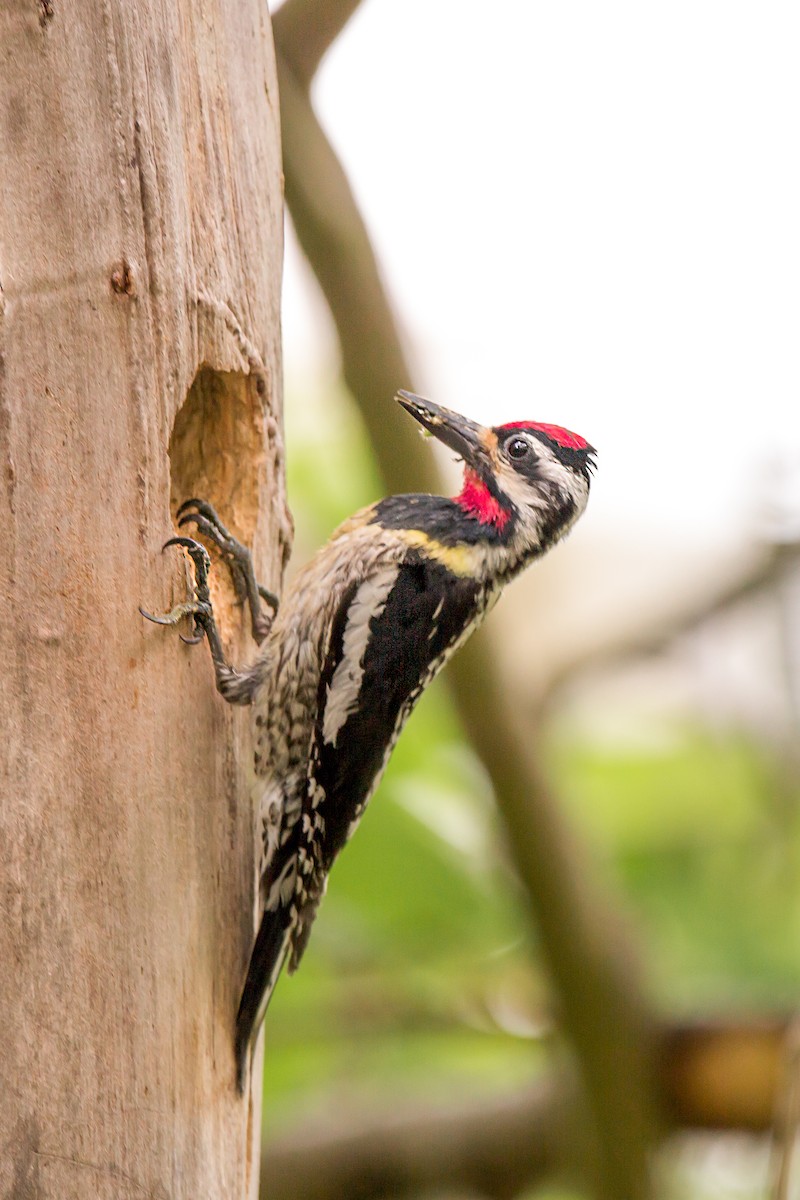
(787, 1123)
(305, 30)
(716, 1076)
(494, 1149)
(587, 951)
(335, 241)
(765, 574)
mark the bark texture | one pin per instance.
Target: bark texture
(140, 252)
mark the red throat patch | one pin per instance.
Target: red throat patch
(477, 501)
(561, 437)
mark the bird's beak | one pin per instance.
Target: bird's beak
(458, 433)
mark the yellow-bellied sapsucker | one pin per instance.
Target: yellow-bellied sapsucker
(362, 630)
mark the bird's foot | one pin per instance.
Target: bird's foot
(236, 688)
(240, 562)
(198, 606)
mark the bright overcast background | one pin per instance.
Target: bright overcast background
(588, 214)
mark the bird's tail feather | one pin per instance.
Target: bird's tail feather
(266, 960)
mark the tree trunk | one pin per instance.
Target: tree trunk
(140, 251)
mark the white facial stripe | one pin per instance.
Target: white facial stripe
(523, 491)
(368, 602)
(533, 499)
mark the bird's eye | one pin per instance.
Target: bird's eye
(518, 447)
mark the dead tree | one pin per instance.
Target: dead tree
(140, 260)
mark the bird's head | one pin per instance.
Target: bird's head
(526, 482)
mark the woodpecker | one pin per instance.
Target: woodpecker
(362, 630)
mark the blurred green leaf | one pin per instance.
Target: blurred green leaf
(691, 835)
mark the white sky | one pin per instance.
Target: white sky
(588, 213)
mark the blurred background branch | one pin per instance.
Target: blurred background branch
(306, 29)
(493, 1149)
(334, 238)
(725, 1075)
(774, 565)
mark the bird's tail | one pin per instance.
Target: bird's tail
(266, 960)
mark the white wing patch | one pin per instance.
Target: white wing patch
(283, 888)
(343, 689)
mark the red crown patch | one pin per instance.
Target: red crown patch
(557, 434)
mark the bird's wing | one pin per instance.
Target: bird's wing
(392, 633)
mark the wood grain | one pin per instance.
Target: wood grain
(140, 261)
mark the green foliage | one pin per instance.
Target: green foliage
(696, 844)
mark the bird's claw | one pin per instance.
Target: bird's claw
(236, 687)
(198, 608)
(197, 636)
(200, 558)
(239, 559)
(212, 528)
(190, 608)
(207, 520)
(205, 509)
